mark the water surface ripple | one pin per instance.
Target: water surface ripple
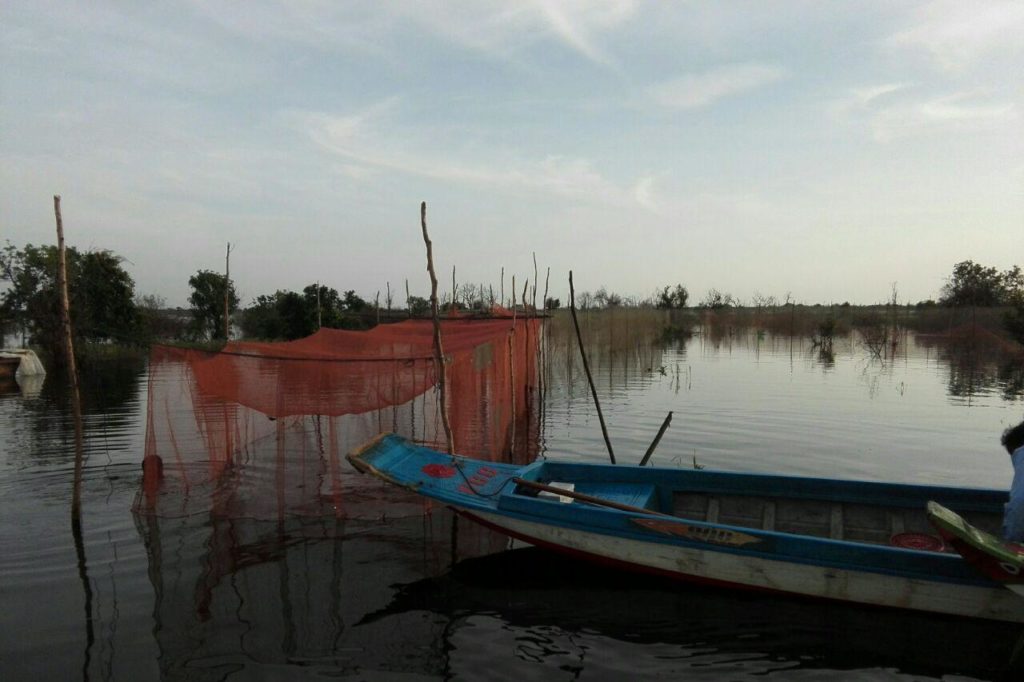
(407, 595)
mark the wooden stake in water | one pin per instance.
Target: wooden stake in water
(69, 354)
(76, 411)
(534, 296)
(586, 368)
(438, 350)
(227, 293)
(657, 439)
(512, 367)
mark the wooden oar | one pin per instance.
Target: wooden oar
(583, 497)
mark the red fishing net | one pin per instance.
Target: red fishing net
(260, 430)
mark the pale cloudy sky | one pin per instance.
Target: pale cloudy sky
(826, 149)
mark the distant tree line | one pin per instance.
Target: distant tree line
(293, 315)
(105, 308)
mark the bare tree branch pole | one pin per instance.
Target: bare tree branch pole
(438, 349)
(76, 409)
(657, 439)
(586, 368)
(69, 351)
(227, 293)
(512, 364)
(534, 296)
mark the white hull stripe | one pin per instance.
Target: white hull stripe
(770, 574)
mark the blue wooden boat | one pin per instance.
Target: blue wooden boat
(863, 542)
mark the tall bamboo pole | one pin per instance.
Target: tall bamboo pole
(547, 278)
(512, 368)
(586, 368)
(227, 292)
(439, 358)
(76, 411)
(534, 297)
(544, 348)
(69, 354)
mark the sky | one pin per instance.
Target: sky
(824, 150)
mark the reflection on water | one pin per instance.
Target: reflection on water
(979, 366)
(556, 613)
(391, 590)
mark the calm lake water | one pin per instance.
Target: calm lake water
(409, 595)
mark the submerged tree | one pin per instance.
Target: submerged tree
(607, 299)
(101, 301)
(207, 301)
(418, 306)
(156, 321)
(672, 298)
(974, 284)
(716, 300)
(290, 315)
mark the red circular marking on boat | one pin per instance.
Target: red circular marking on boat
(919, 541)
(438, 470)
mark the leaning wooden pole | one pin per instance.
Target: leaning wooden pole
(69, 351)
(586, 368)
(657, 439)
(76, 411)
(534, 296)
(438, 349)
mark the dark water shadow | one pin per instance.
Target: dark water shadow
(527, 588)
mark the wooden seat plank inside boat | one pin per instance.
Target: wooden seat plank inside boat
(818, 518)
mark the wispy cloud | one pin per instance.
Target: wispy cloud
(897, 110)
(576, 22)
(494, 29)
(643, 192)
(866, 97)
(956, 34)
(696, 90)
(376, 140)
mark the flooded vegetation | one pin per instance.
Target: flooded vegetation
(393, 587)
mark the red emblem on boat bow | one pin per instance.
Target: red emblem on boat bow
(438, 470)
(922, 542)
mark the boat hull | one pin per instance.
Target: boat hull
(851, 541)
(757, 573)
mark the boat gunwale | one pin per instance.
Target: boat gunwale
(782, 546)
